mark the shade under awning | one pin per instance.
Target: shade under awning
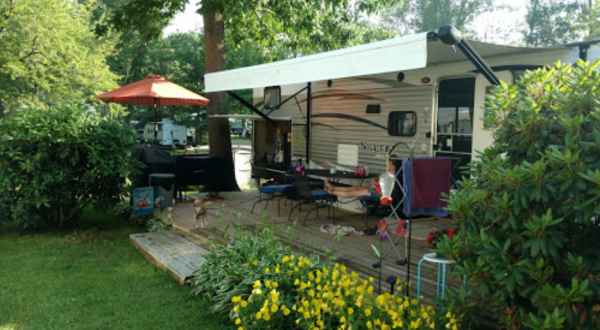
(249, 117)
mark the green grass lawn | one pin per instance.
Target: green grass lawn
(91, 278)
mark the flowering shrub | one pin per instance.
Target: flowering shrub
(328, 298)
(530, 220)
(436, 235)
(232, 270)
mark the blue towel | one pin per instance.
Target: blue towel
(433, 211)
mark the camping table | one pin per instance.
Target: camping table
(337, 176)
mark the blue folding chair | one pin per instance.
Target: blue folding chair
(272, 192)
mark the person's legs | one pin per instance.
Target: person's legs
(346, 192)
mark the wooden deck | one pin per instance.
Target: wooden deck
(353, 251)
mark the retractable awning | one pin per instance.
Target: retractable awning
(404, 53)
(399, 54)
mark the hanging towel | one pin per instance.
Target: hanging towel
(431, 178)
(432, 211)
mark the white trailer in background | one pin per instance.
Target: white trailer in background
(169, 134)
(352, 105)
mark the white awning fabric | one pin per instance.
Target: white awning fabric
(405, 53)
(393, 55)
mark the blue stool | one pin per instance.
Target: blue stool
(272, 192)
(442, 263)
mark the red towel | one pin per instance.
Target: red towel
(431, 178)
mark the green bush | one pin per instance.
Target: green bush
(230, 271)
(260, 284)
(54, 163)
(529, 236)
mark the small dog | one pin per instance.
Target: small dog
(200, 212)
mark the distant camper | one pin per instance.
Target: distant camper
(169, 134)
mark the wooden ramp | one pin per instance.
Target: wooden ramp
(173, 250)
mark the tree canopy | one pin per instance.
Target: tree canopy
(551, 22)
(429, 15)
(49, 55)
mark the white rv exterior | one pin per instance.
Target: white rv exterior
(428, 88)
(169, 134)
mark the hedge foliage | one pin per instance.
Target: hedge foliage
(55, 162)
(529, 237)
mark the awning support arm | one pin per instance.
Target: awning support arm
(308, 121)
(251, 107)
(289, 98)
(451, 36)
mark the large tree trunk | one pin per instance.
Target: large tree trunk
(218, 129)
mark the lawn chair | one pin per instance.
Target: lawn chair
(319, 197)
(272, 192)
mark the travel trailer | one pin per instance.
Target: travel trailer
(169, 134)
(348, 107)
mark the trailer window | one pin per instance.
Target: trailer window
(272, 97)
(402, 123)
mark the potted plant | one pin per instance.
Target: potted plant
(435, 236)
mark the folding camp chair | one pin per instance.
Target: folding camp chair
(272, 192)
(318, 197)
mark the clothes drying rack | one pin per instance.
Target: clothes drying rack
(408, 193)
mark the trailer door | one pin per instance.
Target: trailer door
(455, 117)
(483, 136)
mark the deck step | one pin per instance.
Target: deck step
(173, 250)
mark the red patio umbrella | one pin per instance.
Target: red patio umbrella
(153, 91)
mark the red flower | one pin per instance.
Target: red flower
(450, 233)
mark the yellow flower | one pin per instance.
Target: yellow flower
(367, 312)
(414, 325)
(285, 259)
(454, 327)
(267, 270)
(371, 279)
(343, 319)
(258, 315)
(267, 317)
(298, 321)
(257, 284)
(350, 311)
(274, 308)
(268, 283)
(296, 282)
(236, 309)
(286, 312)
(369, 325)
(241, 328)
(306, 315)
(235, 299)
(243, 303)
(255, 262)
(238, 321)
(292, 257)
(453, 320)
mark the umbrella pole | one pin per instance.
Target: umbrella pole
(155, 126)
